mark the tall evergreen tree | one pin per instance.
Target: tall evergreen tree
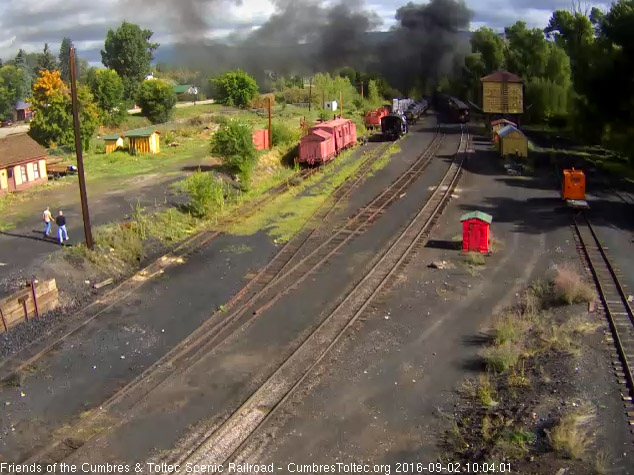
(46, 61)
(27, 75)
(64, 59)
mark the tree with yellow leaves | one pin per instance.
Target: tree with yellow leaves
(53, 114)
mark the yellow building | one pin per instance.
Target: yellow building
(113, 142)
(502, 93)
(22, 163)
(144, 141)
(512, 142)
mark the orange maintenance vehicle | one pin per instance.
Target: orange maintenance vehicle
(574, 185)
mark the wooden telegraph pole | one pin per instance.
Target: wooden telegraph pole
(310, 93)
(361, 89)
(80, 158)
(341, 103)
(270, 127)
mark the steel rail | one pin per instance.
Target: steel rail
(607, 282)
(229, 438)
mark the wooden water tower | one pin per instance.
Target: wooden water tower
(502, 96)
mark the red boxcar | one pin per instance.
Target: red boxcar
(327, 139)
(373, 118)
(343, 130)
(316, 147)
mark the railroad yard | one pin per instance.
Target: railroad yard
(363, 339)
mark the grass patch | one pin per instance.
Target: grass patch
(474, 259)
(568, 287)
(237, 249)
(206, 194)
(508, 328)
(572, 437)
(288, 213)
(385, 158)
(501, 358)
(485, 391)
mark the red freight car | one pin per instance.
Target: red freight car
(316, 147)
(373, 117)
(343, 130)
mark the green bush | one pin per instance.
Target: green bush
(233, 143)
(283, 134)
(235, 88)
(206, 194)
(157, 100)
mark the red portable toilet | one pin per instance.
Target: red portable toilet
(475, 231)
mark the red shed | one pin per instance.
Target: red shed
(316, 147)
(475, 231)
(261, 139)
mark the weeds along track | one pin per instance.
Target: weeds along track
(226, 440)
(615, 305)
(81, 318)
(282, 274)
(134, 391)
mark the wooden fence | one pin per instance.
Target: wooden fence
(34, 300)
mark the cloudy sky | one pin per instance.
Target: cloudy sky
(29, 23)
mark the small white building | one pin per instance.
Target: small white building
(331, 106)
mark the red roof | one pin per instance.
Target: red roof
(333, 123)
(501, 76)
(320, 133)
(503, 121)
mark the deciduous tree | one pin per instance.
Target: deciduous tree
(53, 120)
(128, 50)
(107, 88)
(11, 89)
(490, 46)
(157, 100)
(234, 88)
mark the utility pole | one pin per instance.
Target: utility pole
(310, 93)
(270, 127)
(80, 158)
(341, 103)
(361, 89)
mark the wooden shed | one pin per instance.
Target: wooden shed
(502, 93)
(113, 142)
(499, 124)
(144, 141)
(512, 142)
(475, 231)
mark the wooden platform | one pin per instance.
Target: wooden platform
(30, 302)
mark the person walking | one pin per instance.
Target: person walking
(47, 217)
(62, 235)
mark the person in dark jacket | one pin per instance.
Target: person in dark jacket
(61, 227)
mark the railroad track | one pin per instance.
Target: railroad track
(208, 335)
(615, 304)
(283, 274)
(40, 348)
(226, 440)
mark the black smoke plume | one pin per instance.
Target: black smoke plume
(426, 44)
(305, 36)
